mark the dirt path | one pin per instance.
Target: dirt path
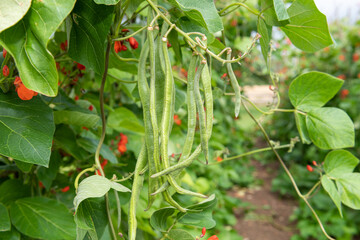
(267, 217)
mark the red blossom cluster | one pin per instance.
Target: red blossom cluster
(23, 92)
(120, 45)
(177, 120)
(122, 143)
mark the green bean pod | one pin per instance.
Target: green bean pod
(135, 192)
(200, 109)
(234, 84)
(206, 82)
(144, 97)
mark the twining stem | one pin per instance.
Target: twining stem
(235, 6)
(130, 35)
(304, 198)
(251, 152)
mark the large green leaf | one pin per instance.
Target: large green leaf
(313, 90)
(12, 11)
(301, 126)
(308, 29)
(330, 128)
(179, 234)
(26, 128)
(349, 186)
(10, 235)
(269, 14)
(265, 31)
(27, 42)
(44, 218)
(280, 10)
(90, 145)
(159, 218)
(201, 11)
(48, 175)
(122, 119)
(330, 188)
(91, 24)
(339, 162)
(199, 215)
(5, 224)
(96, 186)
(8, 194)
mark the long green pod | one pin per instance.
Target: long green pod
(135, 191)
(234, 84)
(166, 122)
(206, 82)
(201, 112)
(144, 93)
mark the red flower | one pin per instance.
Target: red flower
(80, 66)
(168, 44)
(213, 237)
(219, 159)
(309, 168)
(344, 93)
(104, 163)
(223, 76)
(342, 76)
(23, 92)
(124, 30)
(41, 185)
(65, 189)
(342, 57)
(85, 128)
(123, 48)
(177, 121)
(133, 43)
(122, 148)
(76, 98)
(117, 46)
(314, 163)
(173, 155)
(6, 71)
(91, 107)
(184, 72)
(4, 52)
(233, 23)
(355, 57)
(123, 139)
(203, 232)
(64, 45)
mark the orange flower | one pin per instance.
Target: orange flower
(344, 93)
(213, 237)
(122, 148)
(342, 76)
(223, 76)
(177, 121)
(123, 139)
(6, 71)
(342, 57)
(314, 163)
(309, 168)
(355, 57)
(203, 232)
(23, 92)
(117, 46)
(219, 159)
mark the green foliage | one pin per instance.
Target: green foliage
(12, 12)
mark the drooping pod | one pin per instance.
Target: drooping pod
(206, 82)
(234, 84)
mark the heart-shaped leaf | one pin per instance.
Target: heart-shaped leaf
(330, 188)
(339, 162)
(349, 186)
(159, 218)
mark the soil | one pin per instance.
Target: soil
(267, 217)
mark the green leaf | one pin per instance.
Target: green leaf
(349, 186)
(27, 129)
(339, 162)
(82, 119)
(91, 24)
(187, 25)
(265, 32)
(7, 193)
(44, 218)
(201, 214)
(158, 219)
(90, 145)
(122, 119)
(313, 89)
(330, 188)
(48, 175)
(12, 11)
(269, 14)
(201, 11)
(96, 186)
(10, 235)
(330, 128)
(280, 10)
(23, 166)
(65, 139)
(35, 63)
(308, 29)
(84, 221)
(301, 126)
(175, 44)
(179, 234)
(106, 2)
(180, 98)
(5, 224)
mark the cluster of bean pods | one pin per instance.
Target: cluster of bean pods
(154, 155)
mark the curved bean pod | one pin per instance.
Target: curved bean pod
(234, 84)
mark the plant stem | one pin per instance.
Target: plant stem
(235, 6)
(250, 153)
(287, 172)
